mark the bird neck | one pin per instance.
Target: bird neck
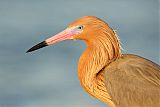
(97, 55)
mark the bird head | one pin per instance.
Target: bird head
(86, 28)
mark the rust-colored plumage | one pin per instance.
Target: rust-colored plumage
(120, 80)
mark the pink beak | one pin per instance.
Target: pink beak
(64, 35)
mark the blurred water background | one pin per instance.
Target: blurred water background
(48, 77)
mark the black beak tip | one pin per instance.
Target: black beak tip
(38, 46)
(29, 51)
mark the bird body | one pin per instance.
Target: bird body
(137, 82)
(120, 80)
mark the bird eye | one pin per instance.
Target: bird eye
(80, 27)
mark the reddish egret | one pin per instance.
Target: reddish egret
(120, 80)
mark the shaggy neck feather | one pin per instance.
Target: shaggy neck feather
(97, 55)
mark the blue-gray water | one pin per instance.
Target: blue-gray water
(48, 77)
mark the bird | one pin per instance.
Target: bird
(115, 78)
